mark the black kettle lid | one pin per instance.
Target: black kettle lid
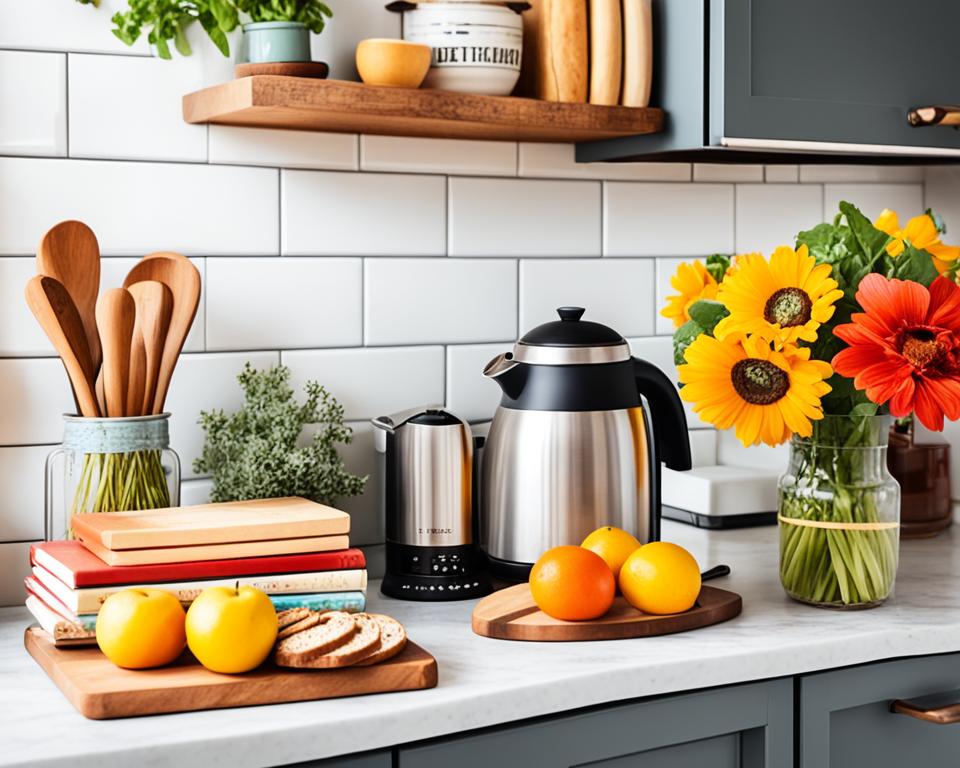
(571, 331)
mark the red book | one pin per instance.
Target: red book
(77, 567)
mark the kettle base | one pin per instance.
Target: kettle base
(508, 570)
(433, 588)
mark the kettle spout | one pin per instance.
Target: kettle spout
(508, 373)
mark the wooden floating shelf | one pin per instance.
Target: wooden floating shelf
(270, 101)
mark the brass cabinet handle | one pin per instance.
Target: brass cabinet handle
(936, 115)
(939, 715)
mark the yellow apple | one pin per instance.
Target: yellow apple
(231, 630)
(141, 628)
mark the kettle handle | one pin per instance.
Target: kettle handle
(667, 426)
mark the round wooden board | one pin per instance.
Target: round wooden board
(511, 614)
(317, 69)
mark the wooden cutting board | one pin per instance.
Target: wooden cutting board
(99, 690)
(223, 523)
(511, 614)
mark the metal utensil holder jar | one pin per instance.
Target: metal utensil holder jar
(110, 465)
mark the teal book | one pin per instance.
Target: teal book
(351, 602)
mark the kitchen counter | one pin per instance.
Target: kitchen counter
(486, 682)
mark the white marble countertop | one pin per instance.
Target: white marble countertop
(484, 682)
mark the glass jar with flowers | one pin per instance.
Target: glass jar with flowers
(820, 345)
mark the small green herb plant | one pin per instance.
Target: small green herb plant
(258, 453)
(168, 20)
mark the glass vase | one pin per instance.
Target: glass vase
(839, 515)
(110, 465)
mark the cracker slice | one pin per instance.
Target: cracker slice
(365, 642)
(334, 629)
(292, 616)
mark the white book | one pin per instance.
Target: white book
(62, 631)
(89, 599)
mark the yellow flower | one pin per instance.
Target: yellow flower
(921, 232)
(694, 283)
(767, 394)
(783, 300)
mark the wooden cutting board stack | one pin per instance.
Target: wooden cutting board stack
(596, 51)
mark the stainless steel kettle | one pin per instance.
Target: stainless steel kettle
(576, 442)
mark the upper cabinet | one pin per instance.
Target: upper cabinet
(743, 80)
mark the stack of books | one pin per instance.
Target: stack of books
(293, 549)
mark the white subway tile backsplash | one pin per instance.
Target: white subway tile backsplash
(372, 382)
(513, 217)
(861, 173)
(732, 452)
(703, 447)
(20, 333)
(784, 174)
(770, 215)
(21, 492)
(618, 293)
(727, 172)
(136, 208)
(451, 156)
(366, 513)
(423, 301)
(33, 92)
(257, 303)
(470, 394)
(659, 351)
(51, 25)
(558, 161)
(147, 122)
(667, 219)
(34, 395)
(942, 194)
(871, 199)
(202, 383)
(351, 214)
(230, 144)
(14, 568)
(194, 492)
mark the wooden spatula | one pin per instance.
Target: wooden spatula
(154, 304)
(51, 304)
(70, 253)
(116, 313)
(183, 280)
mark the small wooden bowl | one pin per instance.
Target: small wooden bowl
(397, 63)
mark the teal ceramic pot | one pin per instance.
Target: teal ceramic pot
(271, 41)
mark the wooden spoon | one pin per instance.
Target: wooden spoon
(154, 304)
(70, 253)
(116, 313)
(183, 280)
(51, 304)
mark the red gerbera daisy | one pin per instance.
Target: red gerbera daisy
(905, 347)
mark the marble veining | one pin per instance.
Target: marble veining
(486, 682)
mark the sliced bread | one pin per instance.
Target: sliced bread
(333, 629)
(292, 616)
(365, 642)
(393, 638)
(311, 620)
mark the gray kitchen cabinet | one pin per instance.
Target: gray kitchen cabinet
(743, 79)
(380, 759)
(845, 719)
(744, 726)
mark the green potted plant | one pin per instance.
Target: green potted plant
(258, 452)
(274, 30)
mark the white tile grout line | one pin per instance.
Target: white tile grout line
(66, 106)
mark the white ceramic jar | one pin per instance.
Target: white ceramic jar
(476, 47)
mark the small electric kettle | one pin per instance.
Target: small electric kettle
(576, 442)
(428, 460)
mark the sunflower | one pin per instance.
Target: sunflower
(694, 283)
(767, 394)
(783, 300)
(921, 232)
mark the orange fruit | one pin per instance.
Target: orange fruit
(572, 583)
(660, 578)
(614, 545)
(141, 628)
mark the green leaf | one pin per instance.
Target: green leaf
(864, 409)
(162, 48)
(683, 337)
(871, 239)
(914, 265)
(707, 313)
(717, 265)
(180, 39)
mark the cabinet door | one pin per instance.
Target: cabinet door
(747, 726)
(381, 759)
(833, 72)
(845, 717)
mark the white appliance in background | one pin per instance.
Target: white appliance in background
(729, 486)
